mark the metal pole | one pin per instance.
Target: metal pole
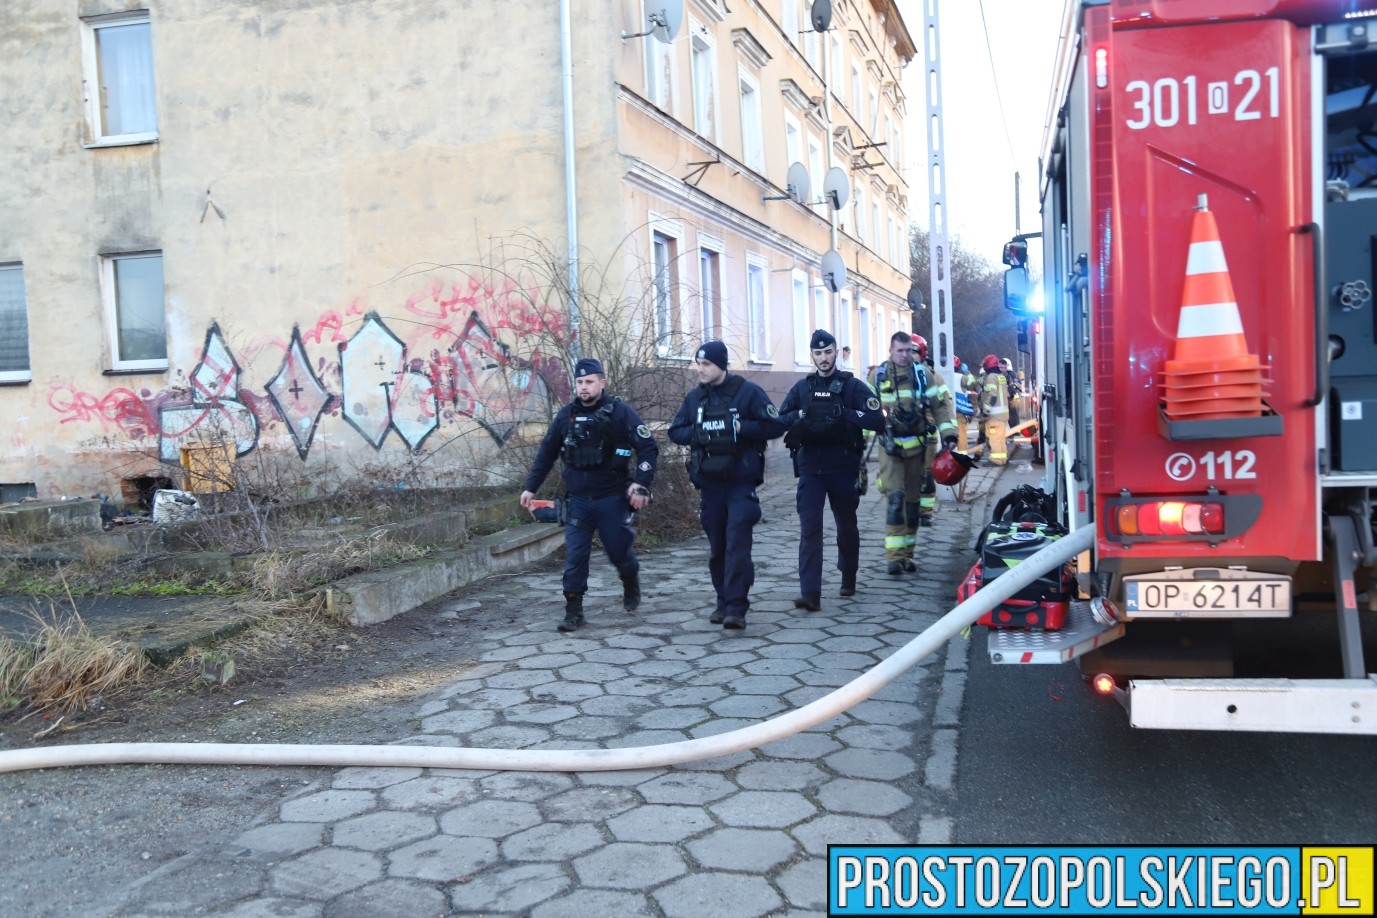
(571, 199)
(939, 262)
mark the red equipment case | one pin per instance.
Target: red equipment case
(1043, 604)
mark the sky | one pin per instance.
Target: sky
(981, 158)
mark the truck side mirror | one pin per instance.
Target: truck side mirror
(1016, 290)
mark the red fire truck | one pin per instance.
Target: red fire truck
(1207, 358)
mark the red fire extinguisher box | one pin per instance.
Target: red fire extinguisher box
(1043, 604)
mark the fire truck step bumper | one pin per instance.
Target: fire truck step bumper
(1081, 634)
(1347, 706)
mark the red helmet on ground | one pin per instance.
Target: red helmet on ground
(990, 364)
(949, 467)
(922, 345)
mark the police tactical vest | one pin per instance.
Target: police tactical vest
(589, 441)
(822, 423)
(714, 429)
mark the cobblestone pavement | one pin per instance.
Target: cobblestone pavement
(741, 835)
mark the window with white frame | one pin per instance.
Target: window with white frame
(834, 61)
(793, 139)
(670, 340)
(856, 92)
(879, 242)
(710, 290)
(704, 60)
(659, 73)
(860, 213)
(14, 326)
(816, 174)
(117, 66)
(752, 143)
(863, 317)
(820, 318)
(843, 301)
(132, 286)
(874, 111)
(803, 327)
(757, 291)
(894, 250)
(788, 19)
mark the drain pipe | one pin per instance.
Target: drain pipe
(708, 747)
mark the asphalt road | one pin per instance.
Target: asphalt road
(1043, 760)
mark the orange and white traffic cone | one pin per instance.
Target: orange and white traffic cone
(1213, 374)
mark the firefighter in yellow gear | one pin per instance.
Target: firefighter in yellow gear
(968, 384)
(918, 422)
(994, 410)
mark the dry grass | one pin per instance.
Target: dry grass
(63, 667)
(281, 575)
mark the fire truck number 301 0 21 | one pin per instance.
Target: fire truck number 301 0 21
(1229, 464)
(1162, 103)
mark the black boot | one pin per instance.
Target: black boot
(631, 591)
(573, 611)
(809, 602)
(848, 587)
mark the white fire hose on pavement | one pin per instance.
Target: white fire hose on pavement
(708, 747)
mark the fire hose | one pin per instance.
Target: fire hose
(404, 756)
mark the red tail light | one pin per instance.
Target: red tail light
(1170, 518)
(1212, 517)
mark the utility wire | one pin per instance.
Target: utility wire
(998, 96)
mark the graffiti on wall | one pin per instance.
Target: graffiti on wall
(452, 370)
(215, 407)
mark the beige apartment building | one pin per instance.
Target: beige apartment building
(334, 230)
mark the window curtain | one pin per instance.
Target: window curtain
(126, 78)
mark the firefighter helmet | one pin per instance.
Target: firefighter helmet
(949, 467)
(921, 346)
(990, 364)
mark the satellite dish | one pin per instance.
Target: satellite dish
(915, 298)
(798, 183)
(833, 271)
(835, 187)
(665, 20)
(822, 15)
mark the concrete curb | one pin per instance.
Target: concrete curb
(376, 596)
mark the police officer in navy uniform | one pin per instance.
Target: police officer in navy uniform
(609, 462)
(727, 421)
(826, 413)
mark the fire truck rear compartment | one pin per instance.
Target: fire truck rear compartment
(1350, 231)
